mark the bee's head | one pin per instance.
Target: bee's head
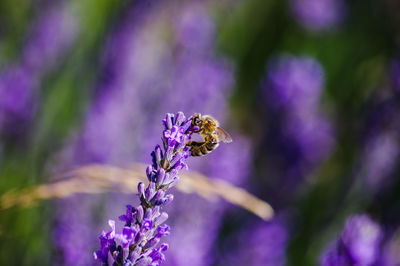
(196, 120)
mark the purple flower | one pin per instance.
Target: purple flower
(143, 225)
(128, 217)
(379, 159)
(293, 86)
(163, 230)
(107, 243)
(317, 15)
(358, 244)
(258, 244)
(157, 255)
(195, 29)
(174, 136)
(362, 236)
(53, 32)
(104, 128)
(48, 39)
(381, 148)
(334, 259)
(147, 224)
(16, 97)
(295, 81)
(128, 235)
(72, 235)
(313, 134)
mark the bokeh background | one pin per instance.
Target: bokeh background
(309, 90)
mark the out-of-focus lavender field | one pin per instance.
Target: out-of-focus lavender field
(308, 89)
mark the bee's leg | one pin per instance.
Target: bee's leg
(196, 148)
(190, 144)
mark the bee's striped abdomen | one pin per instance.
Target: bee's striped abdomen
(201, 148)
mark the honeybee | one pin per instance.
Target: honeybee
(211, 132)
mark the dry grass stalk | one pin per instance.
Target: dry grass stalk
(93, 179)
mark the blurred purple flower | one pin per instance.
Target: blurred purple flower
(49, 37)
(293, 87)
(259, 244)
(381, 146)
(313, 135)
(16, 97)
(379, 159)
(195, 29)
(205, 81)
(358, 244)
(317, 15)
(71, 234)
(103, 130)
(296, 82)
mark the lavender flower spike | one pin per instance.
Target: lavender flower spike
(138, 242)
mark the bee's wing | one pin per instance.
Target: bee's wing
(223, 135)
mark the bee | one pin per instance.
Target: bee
(212, 134)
